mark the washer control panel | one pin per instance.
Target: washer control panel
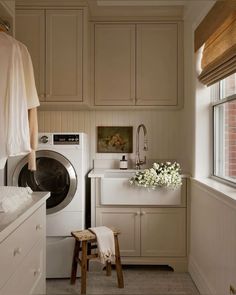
(66, 139)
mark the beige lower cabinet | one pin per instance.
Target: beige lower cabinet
(150, 234)
(147, 231)
(127, 220)
(163, 232)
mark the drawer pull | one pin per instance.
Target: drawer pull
(39, 227)
(143, 213)
(17, 251)
(37, 272)
(137, 213)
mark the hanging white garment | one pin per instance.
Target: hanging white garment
(17, 92)
(31, 92)
(32, 103)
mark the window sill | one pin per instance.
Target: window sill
(220, 191)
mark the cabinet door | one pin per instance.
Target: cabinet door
(163, 232)
(114, 64)
(30, 30)
(64, 37)
(158, 64)
(127, 220)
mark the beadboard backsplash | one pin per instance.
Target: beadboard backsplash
(166, 138)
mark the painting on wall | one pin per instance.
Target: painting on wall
(114, 139)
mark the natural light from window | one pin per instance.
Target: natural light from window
(224, 125)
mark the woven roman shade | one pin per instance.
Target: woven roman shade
(219, 53)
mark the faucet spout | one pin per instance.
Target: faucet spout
(138, 161)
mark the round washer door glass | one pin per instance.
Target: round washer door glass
(54, 174)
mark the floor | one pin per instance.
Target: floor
(138, 280)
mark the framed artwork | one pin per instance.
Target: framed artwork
(114, 139)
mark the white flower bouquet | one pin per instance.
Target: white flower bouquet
(160, 175)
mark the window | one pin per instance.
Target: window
(224, 128)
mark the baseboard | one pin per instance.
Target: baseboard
(199, 278)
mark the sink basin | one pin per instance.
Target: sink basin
(116, 190)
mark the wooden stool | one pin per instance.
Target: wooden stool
(85, 237)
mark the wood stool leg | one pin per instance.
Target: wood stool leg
(83, 267)
(118, 264)
(108, 268)
(89, 251)
(75, 262)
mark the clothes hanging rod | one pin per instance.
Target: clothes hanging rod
(5, 24)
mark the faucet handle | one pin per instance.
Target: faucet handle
(145, 147)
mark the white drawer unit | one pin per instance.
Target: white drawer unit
(29, 275)
(19, 243)
(22, 249)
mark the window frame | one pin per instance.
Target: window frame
(216, 96)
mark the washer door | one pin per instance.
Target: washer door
(54, 173)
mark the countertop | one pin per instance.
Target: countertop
(10, 221)
(99, 172)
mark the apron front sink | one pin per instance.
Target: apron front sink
(116, 190)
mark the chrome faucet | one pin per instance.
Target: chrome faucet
(138, 161)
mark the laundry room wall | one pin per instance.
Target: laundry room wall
(167, 138)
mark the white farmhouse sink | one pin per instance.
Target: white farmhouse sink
(116, 190)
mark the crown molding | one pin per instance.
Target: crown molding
(50, 3)
(140, 3)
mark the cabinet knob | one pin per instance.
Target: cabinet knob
(39, 227)
(143, 213)
(37, 272)
(137, 213)
(17, 251)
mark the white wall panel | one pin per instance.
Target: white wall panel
(212, 261)
(164, 130)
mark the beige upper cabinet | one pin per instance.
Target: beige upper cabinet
(55, 38)
(138, 64)
(157, 64)
(30, 30)
(114, 64)
(64, 38)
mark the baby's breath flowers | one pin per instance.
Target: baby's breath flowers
(160, 175)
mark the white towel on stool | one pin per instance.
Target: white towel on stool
(106, 244)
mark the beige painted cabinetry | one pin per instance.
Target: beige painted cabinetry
(56, 41)
(147, 231)
(33, 36)
(127, 220)
(163, 232)
(114, 64)
(150, 234)
(138, 64)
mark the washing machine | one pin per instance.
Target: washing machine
(62, 165)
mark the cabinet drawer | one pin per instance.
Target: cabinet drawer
(19, 243)
(27, 277)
